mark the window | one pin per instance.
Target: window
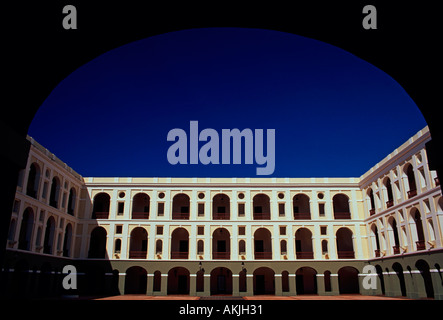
(321, 209)
(159, 230)
(201, 209)
(121, 208)
(161, 209)
(281, 209)
(242, 247)
(118, 246)
(200, 247)
(283, 247)
(241, 231)
(241, 209)
(200, 230)
(323, 230)
(119, 229)
(282, 230)
(158, 246)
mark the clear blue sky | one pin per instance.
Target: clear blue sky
(334, 114)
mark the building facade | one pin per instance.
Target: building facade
(234, 236)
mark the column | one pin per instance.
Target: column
(249, 285)
(150, 284)
(249, 243)
(121, 282)
(193, 284)
(164, 285)
(193, 242)
(207, 285)
(278, 284)
(151, 243)
(275, 240)
(235, 284)
(334, 284)
(292, 291)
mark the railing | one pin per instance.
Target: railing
(263, 255)
(389, 203)
(371, 212)
(220, 216)
(412, 193)
(140, 215)
(179, 255)
(302, 216)
(221, 255)
(180, 216)
(420, 245)
(101, 215)
(262, 216)
(346, 254)
(342, 215)
(137, 254)
(305, 255)
(396, 249)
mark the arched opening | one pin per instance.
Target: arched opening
(283, 247)
(348, 280)
(48, 243)
(301, 207)
(393, 235)
(178, 281)
(261, 207)
(303, 244)
(221, 281)
(159, 247)
(71, 202)
(118, 246)
(97, 244)
(423, 267)
(136, 280)
(306, 280)
(262, 244)
(140, 206)
(242, 247)
(401, 278)
(221, 207)
(221, 244)
(411, 186)
(26, 227)
(67, 241)
(200, 281)
(417, 232)
(345, 246)
(371, 202)
(327, 279)
(389, 194)
(200, 247)
(341, 206)
(285, 281)
(180, 244)
(138, 246)
(375, 240)
(100, 209)
(33, 180)
(180, 206)
(264, 281)
(242, 283)
(55, 192)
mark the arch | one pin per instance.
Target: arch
(393, 235)
(306, 280)
(303, 244)
(221, 244)
(345, 246)
(221, 281)
(375, 240)
(48, 242)
(242, 247)
(401, 278)
(301, 206)
(54, 194)
(263, 281)
(261, 207)
(26, 228)
(136, 280)
(371, 201)
(180, 206)
(242, 283)
(178, 281)
(159, 246)
(389, 195)
(118, 246)
(285, 281)
(221, 207)
(157, 285)
(180, 244)
(411, 186)
(262, 244)
(327, 280)
(97, 244)
(417, 233)
(424, 269)
(348, 280)
(67, 241)
(283, 247)
(100, 208)
(33, 180)
(138, 246)
(71, 201)
(340, 204)
(140, 206)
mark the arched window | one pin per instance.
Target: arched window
(97, 245)
(49, 236)
(242, 247)
(301, 207)
(140, 206)
(67, 241)
(180, 244)
(71, 201)
(389, 194)
(200, 247)
(159, 247)
(262, 244)
(33, 180)
(261, 207)
(221, 207)
(341, 206)
(345, 246)
(180, 206)
(118, 246)
(411, 185)
(283, 247)
(100, 209)
(54, 193)
(138, 246)
(371, 202)
(303, 244)
(25, 236)
(221, 244)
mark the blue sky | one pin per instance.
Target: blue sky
(334, 114)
